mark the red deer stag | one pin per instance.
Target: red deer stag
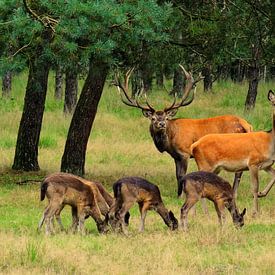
(239, 152)
(175, 136)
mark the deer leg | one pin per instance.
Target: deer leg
(255, 188)
(181, 167)
(74, 219)
(58, 218)
(189, 203)
(121, 214)
(220, 212)
(49, 214)
(143, 211)
(236, 183)
(270, 184)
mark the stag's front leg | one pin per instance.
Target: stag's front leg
(181, 163)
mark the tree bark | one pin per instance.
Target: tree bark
(73, 159)
(253, 76)
(207, 81)
(26, 152)
(253, 73)
(70, 92)
(159, 77)
(58, 83)
(6, 84)
(178, 82)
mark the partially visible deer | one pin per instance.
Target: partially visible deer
(208, 185)
(175, 136)
(239, 152)
(66, 189)
(130, 190)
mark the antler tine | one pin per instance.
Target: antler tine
(173, 104)
(124, 88)
(146, 99)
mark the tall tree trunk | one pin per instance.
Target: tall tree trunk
(6, 84)
(159, 77)
(26, 152)
(70, 92)
(207, 81)
(73, 159)
(58, 83)
(178, 82)
(253, 76)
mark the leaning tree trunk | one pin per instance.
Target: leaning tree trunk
(71, 88)
(73, 159)
(26, 152)
(253, 76)
(58, 83)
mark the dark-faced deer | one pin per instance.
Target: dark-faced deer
(239, 152)
(208, 185)
(130, 190)
(175, 136)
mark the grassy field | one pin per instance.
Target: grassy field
(121, 145)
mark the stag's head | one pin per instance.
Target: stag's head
(159, 119)
(238, 218)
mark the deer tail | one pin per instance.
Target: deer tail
(117, 189)
(43, 189)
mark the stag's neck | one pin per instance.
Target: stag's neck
(161, 139)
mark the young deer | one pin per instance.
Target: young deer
(130, 190)
(208, 185)
(175, 136)
(239, 152)
(66, 189)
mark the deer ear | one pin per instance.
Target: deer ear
(244, 211)
(271, 96)
(147, 113)
(171, 113)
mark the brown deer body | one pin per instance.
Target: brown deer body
(175, 136)
(85, 198)
(130, 190)
(239, 152)
(208, 185)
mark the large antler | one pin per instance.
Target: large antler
(191, 83)
(125, 89)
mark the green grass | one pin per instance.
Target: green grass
(120, 145)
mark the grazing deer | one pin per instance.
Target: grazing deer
(175, 136)
(130, 190)
(239, 152)
(66, 189)
(208, 185)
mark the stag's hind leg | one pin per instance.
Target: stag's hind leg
(270, 184)
(121, 215)
(254, 174)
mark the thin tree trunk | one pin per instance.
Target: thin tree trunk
(178, 82)
(253, 73)
(26, 152)
(159, 77)
(207, 81)
(73, 159)
(253, 76)
(58, 83)
(6, 84)
(70, 92)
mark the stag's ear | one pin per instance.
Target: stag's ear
(147, 113)
(171, 113)
(243, 213)
(271, 96)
